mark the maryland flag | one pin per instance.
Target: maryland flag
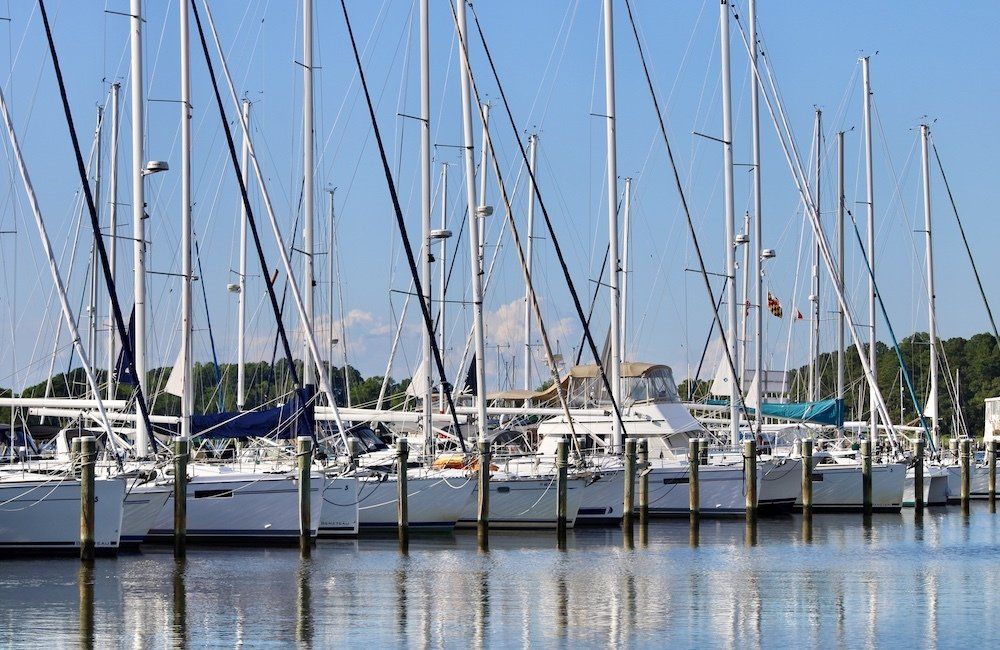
(798, 315)
(773, 304)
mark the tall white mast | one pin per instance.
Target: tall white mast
(425, 216)
(932, 400)
(758, 234)
(92, 307)
(840, 267)
(475, 259)
(308, 372)
(484, 173)
(727, 149)
(870, 203)
(443, 282)
(613, 264)
(241, 353)
(626, 269)
(112, 232)
(187, 273)
(138, 221)
(67, 310)
(532, 161)
(814, 295)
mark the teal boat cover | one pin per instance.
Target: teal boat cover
(827, 411)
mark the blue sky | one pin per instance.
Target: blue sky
(933, 59)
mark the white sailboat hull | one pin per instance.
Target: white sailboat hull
(978, 482)
(839, 487)
(720, 490)
(935, 486)
(143, 505)
(521, 503)
(241, 507)
(780, 484)
(43, 514)
(602, 500)
(340, 507)
(433, 502)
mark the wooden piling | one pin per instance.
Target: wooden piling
(866, 477)
(402, 510)
(965, 460)
(483, 505)
(694, 498)
(303, 453)
(642, 453)
(628, 502)
(181, 449)
(807, 471)
(991, 463)
(88, 458)
(750, 477)
(74, 457)
(562, 479)
(918, 474)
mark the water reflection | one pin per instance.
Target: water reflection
(729, 583)
(178, 623)
(85, 589)
(303, 602)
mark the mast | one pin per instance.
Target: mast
(241, 357)
(840, 268)
(814, 389)
(932, 401)
(308, 281)
(187, 273)
(92, 307)
(138, 220)
(727, 149)
(475, 259)
(532, 161)
(483, 178)
(870, 204)
(425, 218)
(758, 236)
(744, 304)
(112, 232)
(613, 265)
(443, 283)
(626, 269)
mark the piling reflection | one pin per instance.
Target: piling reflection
(694, 530)
(303, 602)
(562, 603)
(807, 528)
(178, 620)
(85, 588)
(401, 602)
(482, 616)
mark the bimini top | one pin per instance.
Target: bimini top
(642, 382)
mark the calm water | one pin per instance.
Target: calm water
(897, 582)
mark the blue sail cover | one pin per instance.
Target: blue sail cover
(292, 419)
(827, 411)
